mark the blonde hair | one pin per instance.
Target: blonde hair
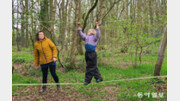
(92, 31)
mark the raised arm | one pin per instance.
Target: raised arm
(98, 32)
(80, 33)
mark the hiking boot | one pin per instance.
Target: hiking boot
(99, 80)
(85, 83)
(58, 87)
(44, 88)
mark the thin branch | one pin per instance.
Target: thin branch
(90, 10)
(110, 9)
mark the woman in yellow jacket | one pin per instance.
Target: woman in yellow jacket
(45, 54)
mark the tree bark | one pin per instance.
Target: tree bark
(74, 37)
(13, 23)
(44, 18)
(79, 40)
(63, 24)
(22, 25)
(161, 52)
(99, 19)
(53, 4)
(124, 48)
(18, 34)
(32, 25)
(151, 15)
(26, 24)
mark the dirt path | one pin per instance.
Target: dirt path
(33, 93)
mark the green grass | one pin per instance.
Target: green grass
(19, 79)
(22, 57)
(29, 49)
(127, 90)
(121, 90)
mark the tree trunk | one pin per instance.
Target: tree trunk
(13, 23)
(151, 15)
(44, 18)
(79, 40)
(99, 19)
(124, 48)
(18, 34)
(63, 24)
(52, 17)
(138, 31)
(68, 40)
(22, 25)
(74, 36)
(161, 52)
(26, 24)
(32, 25)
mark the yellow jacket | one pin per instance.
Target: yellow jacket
(44, 52)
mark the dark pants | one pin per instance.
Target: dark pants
(91, 68)
(53, 73)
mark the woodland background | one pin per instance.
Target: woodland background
(132, 44)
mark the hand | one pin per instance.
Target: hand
(79, 25)
(54, 59)
(36, 67)
(97, 25)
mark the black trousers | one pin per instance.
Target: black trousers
(91, 68)
(53, 73)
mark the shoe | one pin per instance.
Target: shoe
(44, 88)
(99, 80)
(85, 83)
(58, 87)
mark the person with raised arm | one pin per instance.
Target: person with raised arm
(91, 40)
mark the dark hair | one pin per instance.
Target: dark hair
(37, 35)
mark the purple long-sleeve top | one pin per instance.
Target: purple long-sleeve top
(90, 40)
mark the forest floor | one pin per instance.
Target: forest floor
(113, 66)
